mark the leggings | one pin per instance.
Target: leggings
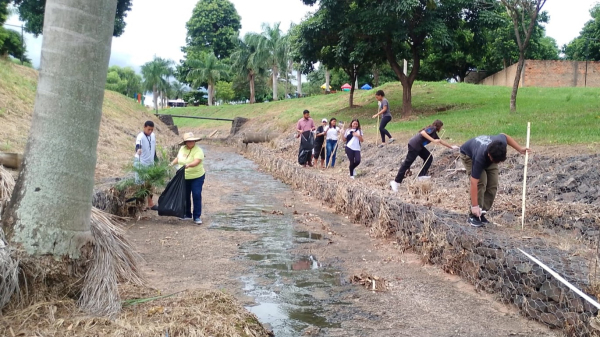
(384, 121)
(354, 158)
(410, 158)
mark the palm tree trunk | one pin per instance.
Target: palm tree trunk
(210, 94)
(252, 90)
(155, 98)
(327, 76)
(49, 213)
(275, 76)
(299, 74)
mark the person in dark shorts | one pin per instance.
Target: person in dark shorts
(481, 156)
(320, 143)
(416, 148)
(386, 116)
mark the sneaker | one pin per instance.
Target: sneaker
(421, 178)
(394, 186)
(198, 221)
(391, 140)
(381, 145)
(475, 222)
(483, 219)
(154, 208)
(185, 218)
(351, 177)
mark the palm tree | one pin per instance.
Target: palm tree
(270, 50)
(206, 69)
(156, 73)
(177, 89)
(244, 62)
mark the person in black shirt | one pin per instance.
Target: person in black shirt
(416, 148)
(319, 143)
(481, 156)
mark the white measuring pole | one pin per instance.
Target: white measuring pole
(565, 282)
(525, 177)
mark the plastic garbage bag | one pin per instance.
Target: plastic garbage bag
(307, 143)
(172, 201)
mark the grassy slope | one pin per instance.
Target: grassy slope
(558, 115)
(122, 120)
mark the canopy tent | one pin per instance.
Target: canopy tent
(366, 87)
(346, 87)
(323, 86)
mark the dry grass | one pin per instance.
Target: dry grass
(192, 313)
(7, 184)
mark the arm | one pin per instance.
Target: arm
(385, 107)
(195, 163)
(175, 161)
(473, 192)
(358, 135)
(513, 143)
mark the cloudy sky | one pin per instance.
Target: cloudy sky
(154, 27)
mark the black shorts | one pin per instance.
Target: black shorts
(319, 151)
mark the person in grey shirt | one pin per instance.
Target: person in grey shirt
(386, 116)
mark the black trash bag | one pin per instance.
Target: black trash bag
(307, 143)
(172, 201)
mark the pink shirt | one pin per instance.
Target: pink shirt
(305, 124)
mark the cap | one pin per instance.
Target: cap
(324, 120)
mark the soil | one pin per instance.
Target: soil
(290, 259)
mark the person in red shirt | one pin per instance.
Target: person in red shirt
(304, 128)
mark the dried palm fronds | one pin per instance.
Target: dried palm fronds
(7, 184)
(370, 282)
(9, 267)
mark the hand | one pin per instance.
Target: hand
(524, 150)
(476, 211)
(375, 116)
(455, 147)
(139, 152)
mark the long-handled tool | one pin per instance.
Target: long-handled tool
(525, 177)
(336, 144)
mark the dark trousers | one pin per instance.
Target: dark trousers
(384, 122)
(410, 158)
(319, 151)
(193, 189)
(354, 158)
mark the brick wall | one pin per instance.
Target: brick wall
(549, 74)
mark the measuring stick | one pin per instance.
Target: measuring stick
(525, 177)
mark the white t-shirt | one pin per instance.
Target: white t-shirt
(354, 143)
(148, 146)
(332, 133)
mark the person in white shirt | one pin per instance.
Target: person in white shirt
(353, 136)
(332, 133)
(145, 153)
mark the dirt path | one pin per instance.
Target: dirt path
(273, 247)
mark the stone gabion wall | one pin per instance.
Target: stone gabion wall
(487, 258)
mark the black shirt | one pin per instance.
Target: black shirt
(476, 149)
(418, 141)
(320, 139)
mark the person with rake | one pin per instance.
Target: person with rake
(332, 136)
(416, 148)
(353, 136)
(386, 116)
(145, 155)
(481, 156)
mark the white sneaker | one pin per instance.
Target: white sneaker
(391, 140)
(351, 177)
(421, 178)
(394, 186)
(198, 221)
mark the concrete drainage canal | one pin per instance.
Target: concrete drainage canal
(292, 292)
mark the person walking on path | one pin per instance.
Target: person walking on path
(386, 116)
(416, 148)
(332, 136)
(353, 136)
(191, 157)
(481, 156)
(304, 127)
(320, 143)
(145, 155)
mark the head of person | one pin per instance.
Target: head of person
(497, 151)
(438, 125)
(324, 121)
(189, 140)
(332, 123)
(379, 95)
(306, 114)
(148, 128)
(355, 124)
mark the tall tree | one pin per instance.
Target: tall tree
(212, 27)
(270, 51)
(155, 75)
(207, 69)
(587, 45)
(32, 13)
(124, 81)
(49, 212)
(524, 14)
(245, 63)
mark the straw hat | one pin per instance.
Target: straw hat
(189, 137)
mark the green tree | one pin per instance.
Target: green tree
(31, 12)
(587, 45)
(10, 40)
(124, 81)
(155, 75)
(245, 63)
(212, 27)
(270, 51)
(224, 91)
(178, 89)
(206, 69)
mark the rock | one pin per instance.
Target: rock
(490, 252)
(551, 290)
(583, 188)
(508, 217)
(551, 319)
(512, 275)
(523, 268)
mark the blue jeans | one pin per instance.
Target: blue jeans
(193, 188)
(330, 146)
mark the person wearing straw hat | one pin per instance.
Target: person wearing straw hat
(191, 157)
(320, 143)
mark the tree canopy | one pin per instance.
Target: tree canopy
(587, 45)
(124, 81)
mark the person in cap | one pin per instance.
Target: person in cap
(481, 156)
(191, 157)
(145, 154)
(320, 143)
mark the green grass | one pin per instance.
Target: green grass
(558, 116)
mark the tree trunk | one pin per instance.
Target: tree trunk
(407, 81)
(327, 76)
(375, 77)
(299, 74)
(49, 213)
(515, 88)
(275, 76)
(252, 90)
(210, 94)
(155, 98)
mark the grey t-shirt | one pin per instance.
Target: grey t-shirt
(384, 102)
(476, 149)
(417, 142)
